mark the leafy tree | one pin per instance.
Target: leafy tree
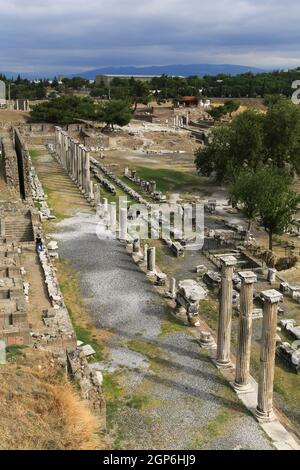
(247, 140)
(215, 158)
(245, 192)
(115, 112)
(64, 110)
(282, 134)
(139, 93)
(233, 146)
(231, 106)
(254, 138)
(277, 201)
(267, 193)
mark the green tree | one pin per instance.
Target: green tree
(278, 202)
(231, 106)
(64, 110)
(233, 146)
(267, 193)
(282, 134)
(139, 93)
(215, 158)
(115, 112)
(245, 192)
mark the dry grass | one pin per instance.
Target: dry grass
(39, 408)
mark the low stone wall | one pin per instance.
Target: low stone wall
(93, 141)
(90, 383)
(14, 328)
(10, 163)
(24, 164)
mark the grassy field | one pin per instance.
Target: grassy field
(169, 181)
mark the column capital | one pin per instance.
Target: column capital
(228, 260)
(248, 277)
(272, 296)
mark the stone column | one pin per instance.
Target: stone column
(2, 227)
(264, 410)
(151, 260)
(172, 287)
(91, 192)
(272, 275)
(81, 169)
(113, 217)
(105, 206)
(123, 224)
(97, 195)
(145, 252)
(225, 312)
(87, 174)
(241, 383)
(136, 246)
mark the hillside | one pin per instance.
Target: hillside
(40, 409)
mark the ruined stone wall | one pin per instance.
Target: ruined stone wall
(10, 162)
(16, 162)
(90, 383)
(24, 166)
(93, 140)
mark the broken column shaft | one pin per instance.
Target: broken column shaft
(264, 410)
(123, 224)
(241, 382)
(225, 312)
(151, 261)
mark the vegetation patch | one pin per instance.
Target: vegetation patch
(81, 320)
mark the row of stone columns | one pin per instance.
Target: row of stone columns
(271, 298)
(75, 159)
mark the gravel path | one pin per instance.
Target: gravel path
(172, 397)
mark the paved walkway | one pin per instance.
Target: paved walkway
(171, 396)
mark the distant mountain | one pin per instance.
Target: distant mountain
(180, 69)
(29, 75)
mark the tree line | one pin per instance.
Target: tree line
(68, 109)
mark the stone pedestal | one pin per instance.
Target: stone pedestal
(113, 217)
(272, 275)
(225, 312)
(145, 252)
(151, 260)
(97, 194)
(241, 383)
(264, 411)
(123, 224)
(207, 341)
(172, 287)
(136, 246)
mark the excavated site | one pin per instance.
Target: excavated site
(165, 344)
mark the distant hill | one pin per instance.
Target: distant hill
(180, 69)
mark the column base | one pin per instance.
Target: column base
(222, 364)
(264, 417)
(151, 273)
(247, 388)
(209, 345)
(194, 320)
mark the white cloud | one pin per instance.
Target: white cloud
(64, 35)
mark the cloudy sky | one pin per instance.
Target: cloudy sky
(64, 36)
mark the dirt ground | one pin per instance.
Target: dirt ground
(12, 116)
